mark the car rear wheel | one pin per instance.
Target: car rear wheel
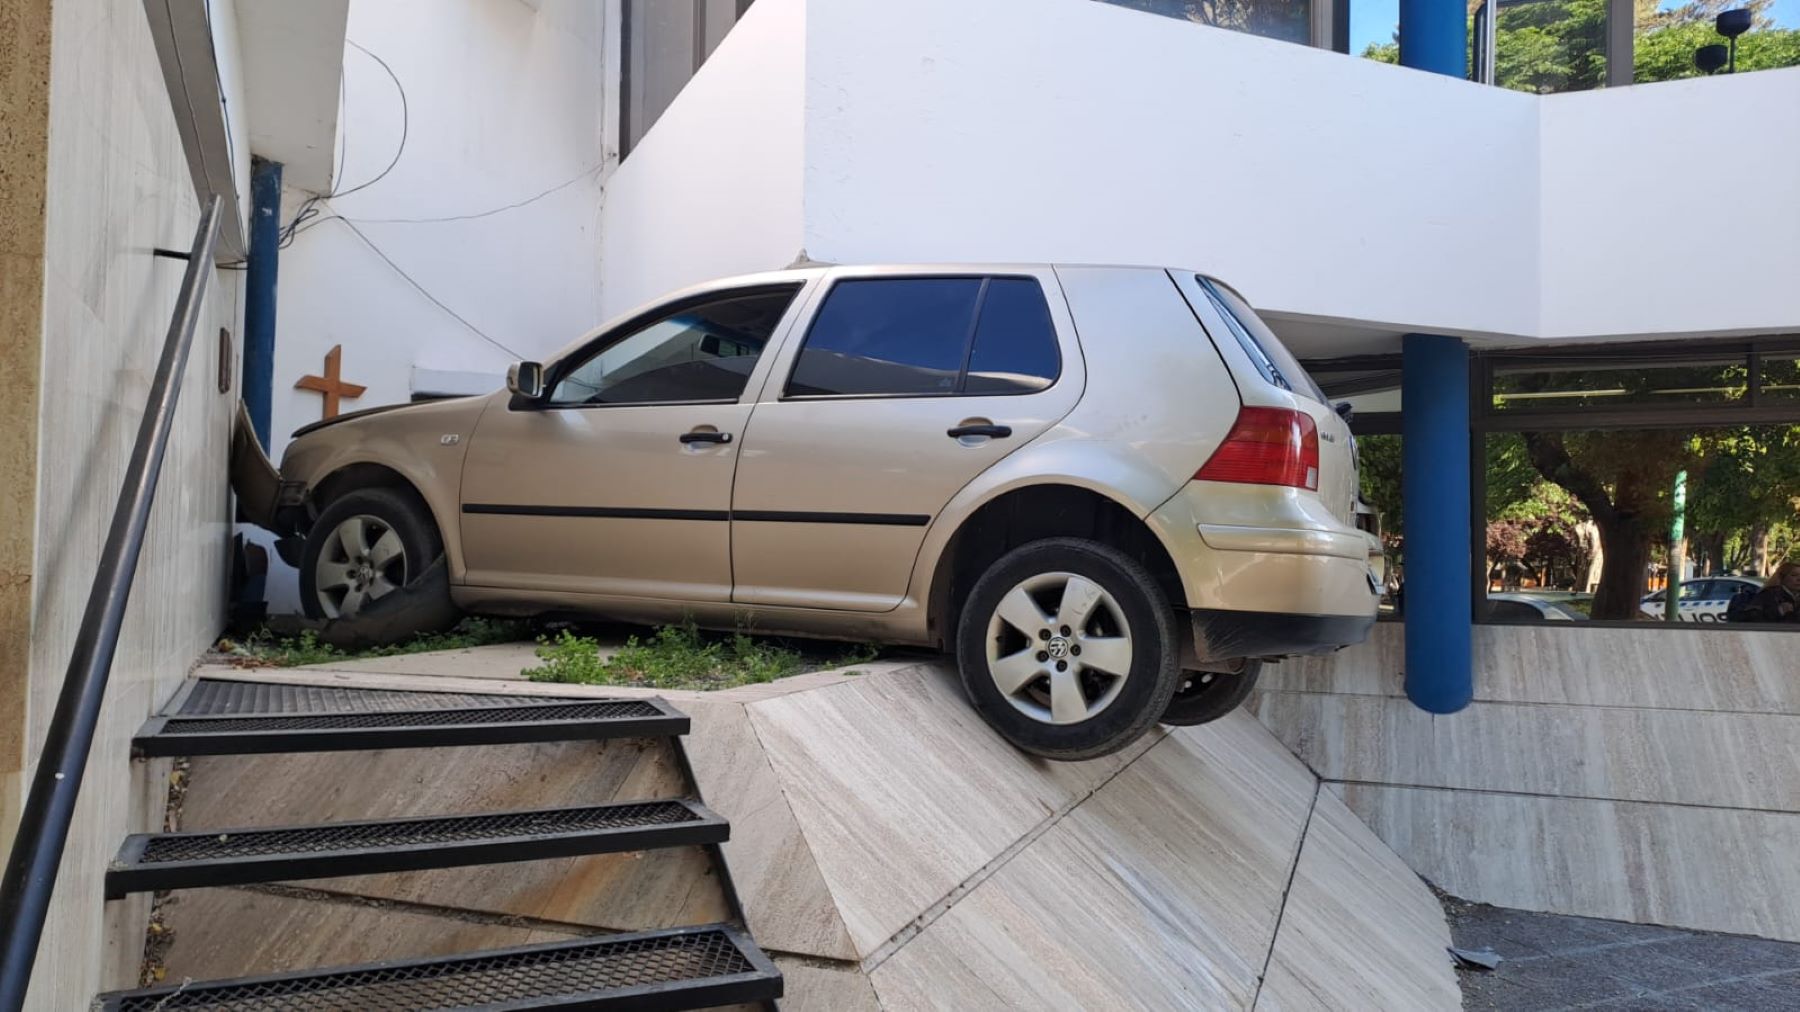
(368, 547)
(1204, 696)
(1067, 648)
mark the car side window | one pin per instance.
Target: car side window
(928, 337)
(702, 352)
(1271, 357)
(1015, 342)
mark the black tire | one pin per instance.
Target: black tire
(421, 604)
(1145, 691)
(1199, 700)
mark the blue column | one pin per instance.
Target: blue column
(259, 294)
(1434, 486)
(1434, 36)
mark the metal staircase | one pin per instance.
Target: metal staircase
(681, 968)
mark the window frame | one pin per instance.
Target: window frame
(1486, 420)
(968, 348)
(559, 370)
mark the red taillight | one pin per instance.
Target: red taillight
(1267, 446)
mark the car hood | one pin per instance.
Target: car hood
(366, 412)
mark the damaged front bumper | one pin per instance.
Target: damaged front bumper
(264, 498)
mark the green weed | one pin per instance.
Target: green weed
(264, 648)
(680, 657)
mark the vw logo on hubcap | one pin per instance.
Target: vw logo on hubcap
(1058, 647)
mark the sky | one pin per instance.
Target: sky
(1373, 21)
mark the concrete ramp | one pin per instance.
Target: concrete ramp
(894, 853)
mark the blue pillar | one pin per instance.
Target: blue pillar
(1434, 486)
(1434, 36)
(259, 294)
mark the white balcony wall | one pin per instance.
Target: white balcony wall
(1673, 208)
(1071, 130)
(1352, 201)
(714, 187)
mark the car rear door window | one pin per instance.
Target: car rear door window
(928, 337)
(703, 352)
(1015, 342)
(888, 336)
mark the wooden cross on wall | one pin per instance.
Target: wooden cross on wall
(330, 384)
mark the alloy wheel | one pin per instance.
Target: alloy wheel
(1059, 648)
(362, 560)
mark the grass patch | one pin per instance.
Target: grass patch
(265, 649)
(683, 657)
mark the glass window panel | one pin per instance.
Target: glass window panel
(1289, 20)
(1379, 510)
(1546, 46)
(1586, 518)
(1668, 34)
(1558, 386)
(1781, 375)
(890, 336)
(704, 353)
(1375, 29)
(1015, 342)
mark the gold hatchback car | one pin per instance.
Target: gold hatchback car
(1110, 491)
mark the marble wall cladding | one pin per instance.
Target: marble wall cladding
(299, 931)
(1160, 891)
(1707, 868)
(889, 849)
(118, 185)
(1648, 666)
(631, 891)
(871, 761)
(1359, 931)
(1736, 760)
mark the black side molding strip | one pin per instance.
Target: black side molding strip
(761, 516)
(616, 512)
(802, 517)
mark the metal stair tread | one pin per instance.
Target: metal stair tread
(155, 861)
(562, 720)
(679, 968)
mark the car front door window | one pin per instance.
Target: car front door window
(698, 354)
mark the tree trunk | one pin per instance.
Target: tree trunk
(1626, 545)
(1762, 552)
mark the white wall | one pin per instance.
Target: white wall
(1351, 200)
(118, 185)
(503, 103)
(1673, 208)
(1071, 130)
(714, 187)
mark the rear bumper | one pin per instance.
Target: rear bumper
(1221, 634)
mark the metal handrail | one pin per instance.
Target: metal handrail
(50, 807)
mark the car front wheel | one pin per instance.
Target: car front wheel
(1068, 648)
(377, 546)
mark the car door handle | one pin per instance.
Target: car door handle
(996, 431)
(705, 437)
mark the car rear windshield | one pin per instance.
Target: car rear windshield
(1260, 343)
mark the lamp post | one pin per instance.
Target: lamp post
(1731, 24)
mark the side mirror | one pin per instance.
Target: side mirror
(1345, 410)
(526, 380)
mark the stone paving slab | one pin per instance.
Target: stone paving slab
(1553, 961)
